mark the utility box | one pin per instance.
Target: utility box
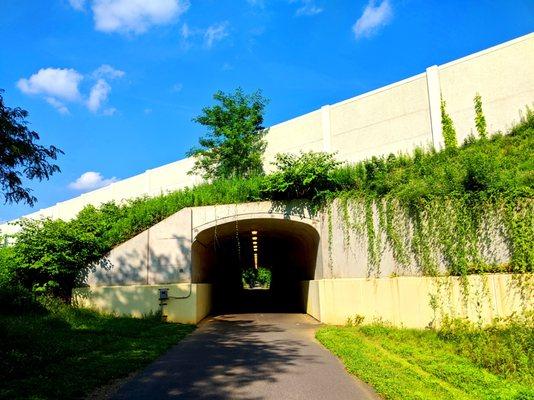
(163, 294)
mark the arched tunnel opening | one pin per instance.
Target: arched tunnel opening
(288, 249)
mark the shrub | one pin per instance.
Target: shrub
(249, 276)
(306, 176)
(14, 298)
(264, 276)
(511, 341)
(482, 172)
(53, 256)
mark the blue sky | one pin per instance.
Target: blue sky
(115, 83)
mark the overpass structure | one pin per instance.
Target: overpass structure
(392, 119)
(198, 253)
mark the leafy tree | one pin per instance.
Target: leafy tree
(53, 256)
(449, 132)
(234, 145)
(20, 155)
(480, 119)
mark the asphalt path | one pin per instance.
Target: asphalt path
(248, 356)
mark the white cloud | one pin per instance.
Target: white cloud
(109, 111)
(215, 33)
(58, 105)
(186, 32)
(212, 34)
(107, 71)
(133, 16)
(307, 8)
(374, 17)
(57, 83)
(99, 94)
(59, 86)
(91, 180)
(77, 4)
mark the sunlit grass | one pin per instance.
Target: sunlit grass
(415, 364)
(67, 352)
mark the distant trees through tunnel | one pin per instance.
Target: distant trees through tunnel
(289, 249)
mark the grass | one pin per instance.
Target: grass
(421, 364)
(66, 353)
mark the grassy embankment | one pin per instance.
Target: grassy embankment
(61, 352)
(461, 361)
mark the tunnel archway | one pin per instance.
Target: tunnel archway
(289, 249)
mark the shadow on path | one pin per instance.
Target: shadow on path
(247, 356)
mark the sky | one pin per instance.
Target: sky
(115, 83)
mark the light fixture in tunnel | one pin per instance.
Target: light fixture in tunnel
(254, 238)
(254, 232)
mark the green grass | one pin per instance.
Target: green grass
(415, 364)
(66, 352)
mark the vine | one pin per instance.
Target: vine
(449, 132)
(445, 237)
(480, 119)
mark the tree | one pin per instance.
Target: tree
(234, 145)
(54, 256)
(20, 155)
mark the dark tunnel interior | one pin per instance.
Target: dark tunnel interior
(288, 248)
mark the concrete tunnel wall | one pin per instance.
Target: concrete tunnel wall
(333, 277)
(174, 253)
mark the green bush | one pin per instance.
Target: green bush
(505, 347)
(261, 276)
(53, 256)
(306, 176)
(482, 172)
(14, 298)
(264, 277)
(249, 276)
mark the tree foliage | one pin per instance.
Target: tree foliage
(234, 145)
(21, 156)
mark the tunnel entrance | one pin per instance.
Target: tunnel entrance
(288, 249)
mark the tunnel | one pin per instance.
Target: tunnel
(288, 249)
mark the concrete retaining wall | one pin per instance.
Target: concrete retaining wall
(188, 302)
(405, 301)
(401, 301)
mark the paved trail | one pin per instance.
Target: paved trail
(248, 356)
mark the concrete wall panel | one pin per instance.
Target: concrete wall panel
(503, 76)
(405, 301)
